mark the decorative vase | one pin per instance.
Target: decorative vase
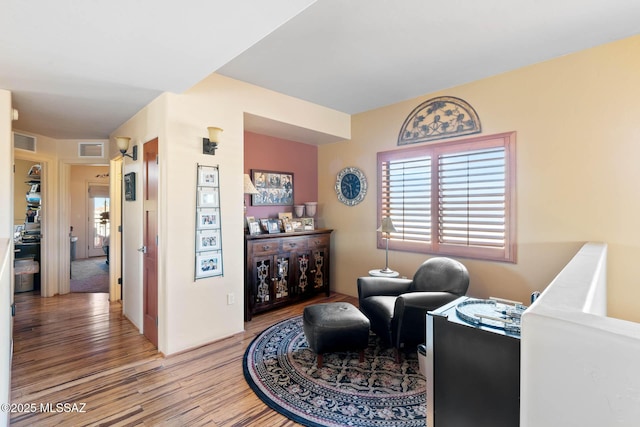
(299, 210)
(311, 208)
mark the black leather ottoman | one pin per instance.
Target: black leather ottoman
(335, 326)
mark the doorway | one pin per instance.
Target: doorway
(89, 228)
(98, 229)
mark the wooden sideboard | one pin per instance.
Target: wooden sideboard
(284, 268)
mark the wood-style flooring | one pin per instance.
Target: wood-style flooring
(79, 349)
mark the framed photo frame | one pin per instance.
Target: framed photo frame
(208, 264)
(208, 240)
(208, 197)
(254, 227)
(273, 226)
(208, 230)
(274, 188)
(130, 186)
(208, 176)
(207, 218)
(307, 224)
(297, 225)
(285, 216)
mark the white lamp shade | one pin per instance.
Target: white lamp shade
(387, 225)
(123, 143)
(249, 188)
(214, 134)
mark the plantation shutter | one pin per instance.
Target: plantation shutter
(471, 198)
(455, 198)
(406, 198)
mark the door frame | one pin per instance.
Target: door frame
(49, 250)
(63, 226)
(115, 217)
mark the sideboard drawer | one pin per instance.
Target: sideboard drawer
(294, 244)
(265, 247)
(318, 241)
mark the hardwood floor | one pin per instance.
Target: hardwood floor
(80, 349)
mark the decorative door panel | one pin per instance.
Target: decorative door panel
(281, 277)
(262, 275)
(319, 268)
(302, 280)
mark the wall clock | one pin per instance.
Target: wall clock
(351, 186)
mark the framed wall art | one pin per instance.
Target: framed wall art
(274, 188)
(208, 218)
(208, 234)
(208, 197)
(207, 240)
(130, 186)
(208, 264)
(208, 176)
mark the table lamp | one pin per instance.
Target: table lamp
(387, 227)
(249, 188)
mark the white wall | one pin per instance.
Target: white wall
(195, 312)
(579, 367)
(6, 249)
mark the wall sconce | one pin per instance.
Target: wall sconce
(210, 144)
(123, 146)
(386, 228)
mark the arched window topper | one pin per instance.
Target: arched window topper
(438, 118)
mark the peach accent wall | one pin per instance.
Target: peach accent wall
(576, 119)
(275, 154)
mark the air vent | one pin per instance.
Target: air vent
(91, 149)
(24, 142)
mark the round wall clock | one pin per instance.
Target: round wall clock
(351, 186)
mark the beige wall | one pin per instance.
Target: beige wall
(6, 249)
(56, 157)
(577, 174)
(194, 312)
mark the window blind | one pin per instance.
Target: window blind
(471, 198)
(452, 198)
(406, 197)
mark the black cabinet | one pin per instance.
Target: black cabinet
(473, 372)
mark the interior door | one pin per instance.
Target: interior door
(150, 241)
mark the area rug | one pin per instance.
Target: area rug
(90, 275)
(282, 371)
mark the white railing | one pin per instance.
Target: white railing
(579, 367)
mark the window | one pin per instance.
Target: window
(455, 198)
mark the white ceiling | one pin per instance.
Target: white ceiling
(78, 69)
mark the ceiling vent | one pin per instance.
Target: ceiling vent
(24, 142)
(91, 149)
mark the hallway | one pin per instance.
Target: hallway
(79, 349)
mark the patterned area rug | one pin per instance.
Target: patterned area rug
(281, 369)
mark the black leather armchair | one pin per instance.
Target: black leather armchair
(397, 308)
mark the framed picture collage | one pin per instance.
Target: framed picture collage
(208, 228)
